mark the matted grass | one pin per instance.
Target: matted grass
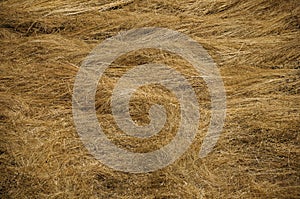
(255, 43)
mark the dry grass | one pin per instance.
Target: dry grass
(256, 46)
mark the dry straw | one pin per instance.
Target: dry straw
(255, 43)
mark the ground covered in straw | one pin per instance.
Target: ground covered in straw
(255, 44)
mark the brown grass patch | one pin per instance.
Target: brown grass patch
(256, 46)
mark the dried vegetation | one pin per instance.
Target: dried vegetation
(256, 46)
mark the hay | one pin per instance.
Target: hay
(256, 46)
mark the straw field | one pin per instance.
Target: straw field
(256, 46)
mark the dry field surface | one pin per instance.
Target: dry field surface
(256, 46)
